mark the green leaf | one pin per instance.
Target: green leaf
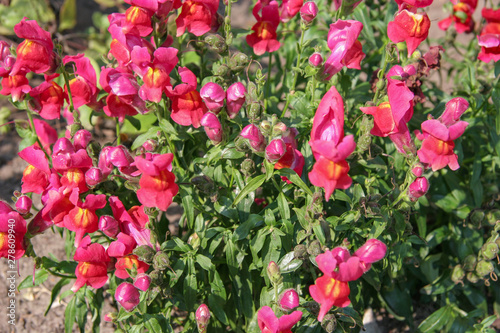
(249, 188)
(187, 204)
(55, 291)
(283, 207)
(204, 262)
(157, 323)
(437, 320)
(70, 315)
(190, 288)
(167, 127)
(231, 153)
(269, 169)
(40, 277)
(67, 15)
(288, 263)
(294, 178)
(495, 97)
(244, 229)
(150, 134)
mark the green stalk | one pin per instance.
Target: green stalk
(118, 140)
(296, 75)
(268, 85)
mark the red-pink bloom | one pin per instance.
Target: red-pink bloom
(157, 183)
(309, 11)
(17, 86)
(316, 59)
(390, 118)
(109, 226)
(142, 281)
(7, 60)
(187, 106)
(346, 49)
(127, 295)
(212, 127)
(198, 17)
(47, 100)
(160, 7)
(235, 98)
(46, 134)
(81, 139)
(264, 37)
(329, 146)
(289, 300)
(12, 231)
(438, 135)
(290, 8)
(155, 73)
(409, 27)
(139, 18)
(409, 4)
(418, 188)
(124, 245)
(84, 85)
(292, 159)
(489, 39)
(23, 204)
(213, 95)
(254, 136)
(269, 323)
(35, 53)
(202, 317)
(460, 10)
(92, 269)
(329, 292)
(36, 174)
(82, 218)
(128, 262)
(275, 150)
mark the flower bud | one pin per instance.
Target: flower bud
(194, 240)
(156, 277)
(161, 261)
(23, 204)
(248, 167)
(289, 300)
(212, 127)
(109, 226)
(150, 145)
(300, 252)
(329, 323)
(220, 69)
(265, 127)
(273, 272)
(235, 98)
(279, 129)
(372, 251)
(418, 170)
(142, 281)
(110, 317)
(493, 216)
(81, 139)
(254, 136)
(62, 146)
(213, 95)
(127, 295)
(202, 318)
(484, 267)
(472, 277)
(93, 176)
(145, 253)
(238, 61)
(316, 59)
(477, 217)
(470, 262)
(457, 274)
(418, 188)
(254, 111)
(275, 150)
(489, 250)
(309, 11)
(314, 248)
(216, 43)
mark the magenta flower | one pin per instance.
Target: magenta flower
(48, 99)
(202, 318)
(316, 59)
(409, 27)
(254, 136)
(198, 17)
(264, 36)
(275, 150)
(235, 98)
(309, 11)
(330, 147)
(12, 227)
(23, 204)
(346, 49)
(84, 86)
(289, 300)
(418, 188)
(212, 127)
(127, 295)
(92, 269)
(109, 226)
(213, 95)
(142, 281)
(269, 323)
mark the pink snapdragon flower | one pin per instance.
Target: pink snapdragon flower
(92, 269)
(212, 127)
(202, 318)
(198, 17)
(264, 36)
(329, 145)
(489, 39)
(418, 188)
(289, 300)
(409, 27)
(346, 49)
(127, 295)
(254, 136)
(12, 231)
(213, 95)
(235, 98)
(309, 11)
(269, 323)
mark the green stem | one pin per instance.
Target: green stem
(296, 74)
(170, 143)
(70, 97)
(268, 85)
(60, 275)
(381, 74)
(118, 140)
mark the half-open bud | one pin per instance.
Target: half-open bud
(127, 295)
